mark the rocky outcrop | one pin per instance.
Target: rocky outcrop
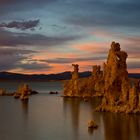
(115, 74)
(24, 91)
(92, 124)
(2, 92)
(134, 98)
(84, 87)
(71, 87)
(119, 93)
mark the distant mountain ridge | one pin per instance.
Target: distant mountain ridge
(8, 76)
(39, 77)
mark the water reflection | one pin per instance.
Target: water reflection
(25, 108)
(72, 106)
(121, 126)
(111, 126)
(90, 131)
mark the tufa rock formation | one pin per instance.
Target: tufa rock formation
(119, 93)
(116, 75)
(71, 88)
(92, 124)
(84, 87)
(2, 92)
(23, 92)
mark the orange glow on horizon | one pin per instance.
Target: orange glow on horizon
(62, 68)
(86, 49)
(134, 70)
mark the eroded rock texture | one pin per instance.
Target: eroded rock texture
(23, 91)
(71, 87)
(119, 93)
(92, 86)
(2, 92)
(84, 87)
(115, 75)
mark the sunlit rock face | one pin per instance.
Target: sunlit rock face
(84, 87)
(97, 80)
(2, 92)
(116, 75)
(23, 91)
(75, 77)
(134, 98)
(71, 87)
(93, 86)
(119, 93)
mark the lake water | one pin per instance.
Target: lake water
(51, 117)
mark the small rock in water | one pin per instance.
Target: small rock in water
(86, 100)
(91, 124)
(23, 98)
(16, 95)
(53, 92)
(2, 92)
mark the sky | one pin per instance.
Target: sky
(47, 36)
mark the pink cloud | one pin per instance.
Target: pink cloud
(92, 47)
(101, 33)
(136, 70)
(80, 50)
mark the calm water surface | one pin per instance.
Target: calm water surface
(51, 117)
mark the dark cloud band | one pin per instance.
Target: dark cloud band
(13, 58)
(8, 38)
(22, 25)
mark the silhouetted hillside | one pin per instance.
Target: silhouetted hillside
(134, 75)
(7, 76)
(39, 77)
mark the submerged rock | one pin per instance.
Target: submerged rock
(85, 99)
(53, 92)
(16, 95)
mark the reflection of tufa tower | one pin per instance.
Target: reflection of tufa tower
(75, 76)
(72, 109)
